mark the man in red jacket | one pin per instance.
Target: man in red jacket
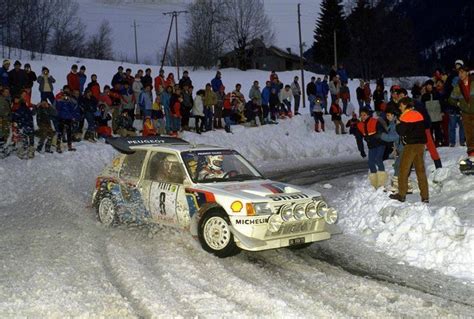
(73, 79)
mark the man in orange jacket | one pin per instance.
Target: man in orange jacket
(412, 134)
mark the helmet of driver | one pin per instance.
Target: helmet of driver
(215, 162)
(171, 164)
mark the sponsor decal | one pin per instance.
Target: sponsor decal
(255, 221)
(301, 227)
(275, 188)
(202, 197)
(147, 141)
(166, 186)
(278, 198)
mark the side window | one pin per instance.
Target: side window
(132, 165)
(163, 167)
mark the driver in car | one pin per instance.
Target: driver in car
(213, 168)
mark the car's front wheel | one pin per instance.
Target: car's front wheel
(215, 235)
(106, 211)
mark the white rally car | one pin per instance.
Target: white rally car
(213, 192)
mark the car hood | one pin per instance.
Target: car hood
(256, 190)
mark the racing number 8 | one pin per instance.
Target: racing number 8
(162, 203)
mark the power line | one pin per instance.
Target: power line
(174, 16)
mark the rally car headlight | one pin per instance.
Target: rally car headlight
(274, 223)
(286, 213)
(320, 207)
(311, 210)
(298, 212)
(330, 215)
(262, 208)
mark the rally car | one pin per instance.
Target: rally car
(213, 192)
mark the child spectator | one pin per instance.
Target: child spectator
(176, 116)
(23, 120)
(148, 127)
(125, 125)
(103, 128)
(317, 113)
(198, 111)
(44, 114)
(352, 125)
(158, 116)
(336, 117)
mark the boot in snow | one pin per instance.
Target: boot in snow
(58, 146)
(39, 148)
(397, 197)
(70, 148)
(381, 178)
(31, 151)
(373, 180)
(316, 127)
(47, 148)
(322, 127)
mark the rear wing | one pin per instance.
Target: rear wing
(123, 144)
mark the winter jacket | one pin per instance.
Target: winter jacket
(137, 88)
(274, 99)
(311, 89)
(159, 81)
(210, 98)
(147, 80)
(343, 75)
(3, 76)
(185, 81)
(277, 86)
(82, 81)
(420, 107)
(125, 122)
(170, 81)
(255, 93)
(116, 97)
(128, 101)
(285, 96)
(216, 84)
(30, 79)
(148, 129)
(5, 108)
(459, 97)
(176, 109)
(432, 105)
(88, 105)
(17, 81)
(344, 93)
(352, 125)
(334, 87)
(73, 81)
(145, 101)
(411, 128)
(41, 80)
(165, 100)
(336, 112)
(117, 78)
(266, 95)
(371, 130)
(325, 88)
(94, 87)
(379, 98)
(67, 109)
(44, 116)
(360, 94)
(187, 104)
(391, 135)
(198, 106)
(295, 88)
(23, 117)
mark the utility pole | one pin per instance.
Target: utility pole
(335, 49)
(174, 16)
(301, 57)
(136, 45)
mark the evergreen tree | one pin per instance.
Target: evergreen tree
(331, 19)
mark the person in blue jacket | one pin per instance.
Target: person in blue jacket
(216, 82)
(341, 71)
(82, 78)
(4, 73)
(266, 101)
(67, 113)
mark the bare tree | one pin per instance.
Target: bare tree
(205, 41)
(246, 21)
(99, 46)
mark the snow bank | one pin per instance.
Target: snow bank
(431, 236)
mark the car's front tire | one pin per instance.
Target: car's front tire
(107, 211)
(215, 235)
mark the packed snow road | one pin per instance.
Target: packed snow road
(57, 261)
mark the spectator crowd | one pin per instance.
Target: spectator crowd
(83, 109)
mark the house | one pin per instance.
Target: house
(257, 56)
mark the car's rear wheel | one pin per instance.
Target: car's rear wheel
(215, 235)
(106, 211)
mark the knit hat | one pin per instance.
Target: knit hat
(17, 63)
(460, 62)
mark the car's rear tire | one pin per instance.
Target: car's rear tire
(215, 235)
(107, 211)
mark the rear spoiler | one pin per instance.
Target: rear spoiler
(123, 144)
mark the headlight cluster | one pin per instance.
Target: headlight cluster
(262, 208)
(314, 209)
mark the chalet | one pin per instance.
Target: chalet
(257, 56)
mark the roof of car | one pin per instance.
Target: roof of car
(129, 145)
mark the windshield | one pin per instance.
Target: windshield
(218, 166)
